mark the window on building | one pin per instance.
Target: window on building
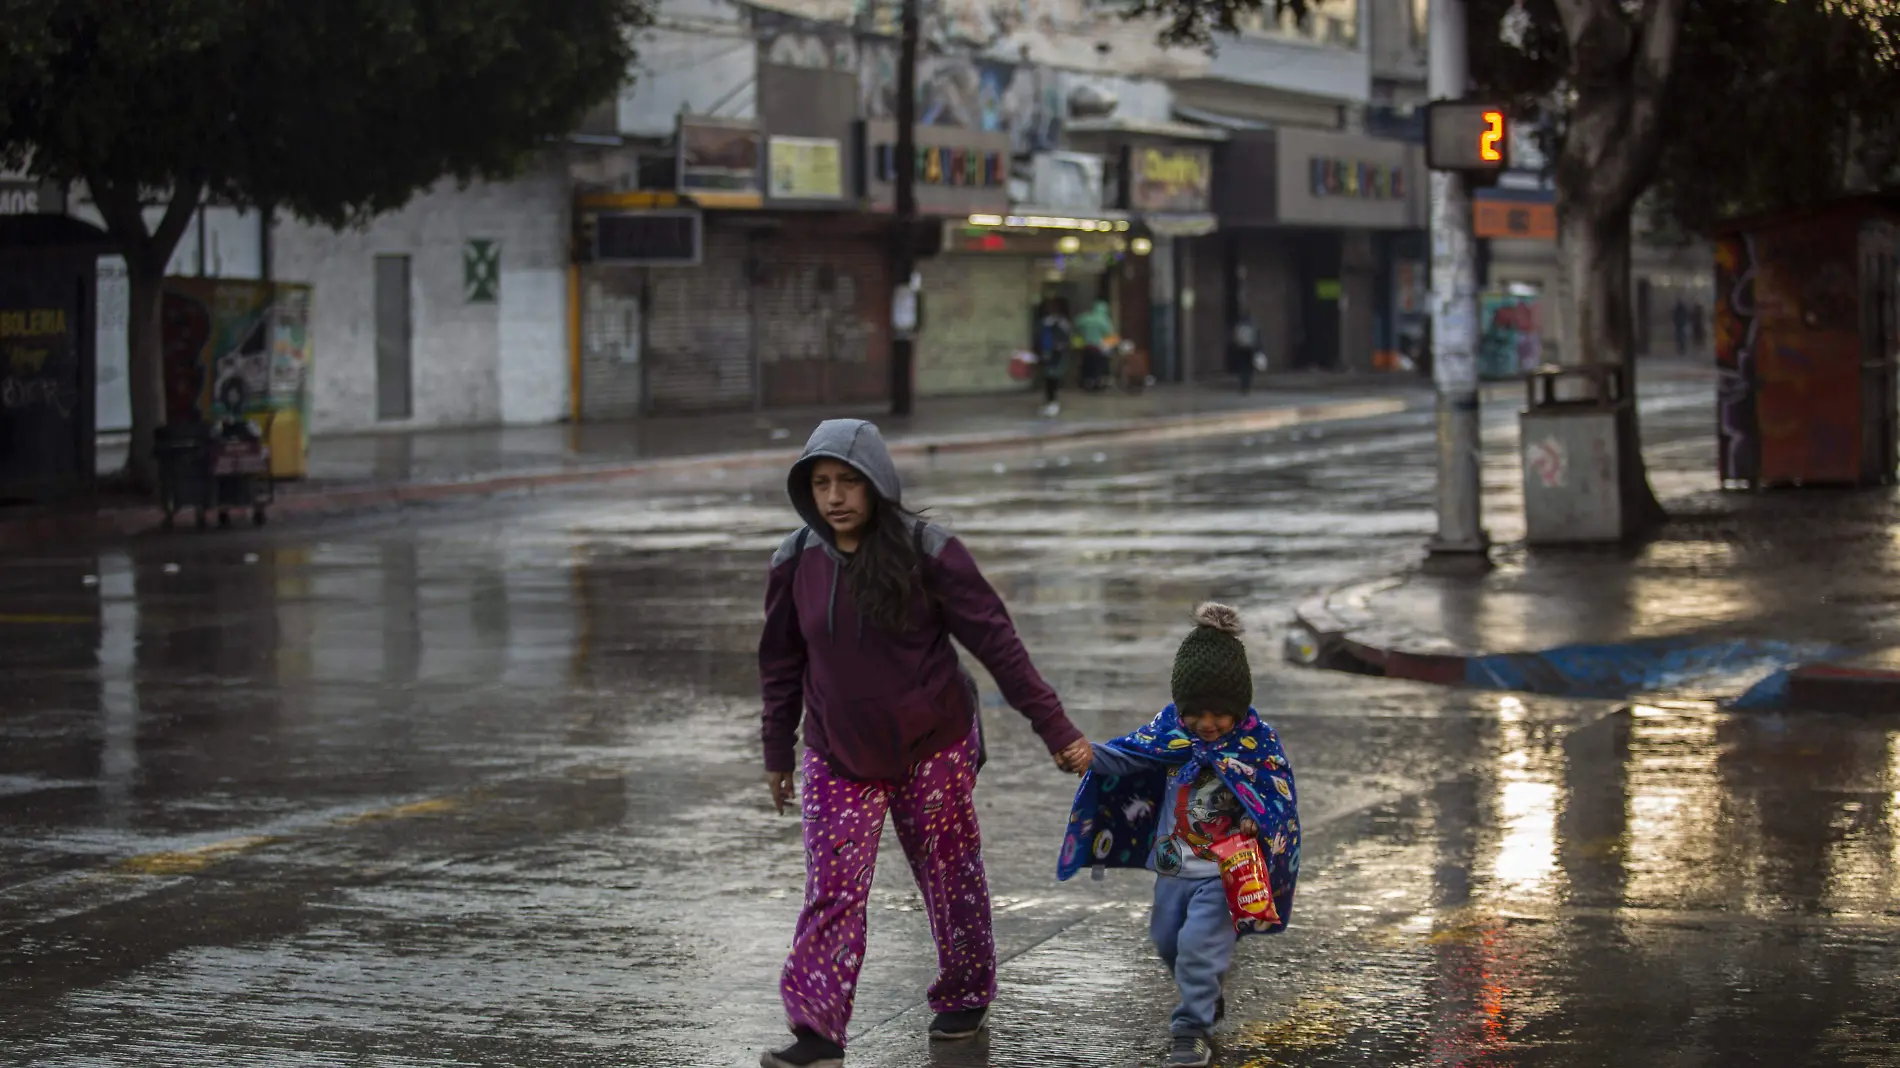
(1334, 23)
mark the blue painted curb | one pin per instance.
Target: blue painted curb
(1625, 669)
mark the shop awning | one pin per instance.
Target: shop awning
(1214, 118)
(1181, 225)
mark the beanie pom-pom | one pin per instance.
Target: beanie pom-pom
(1220, 617)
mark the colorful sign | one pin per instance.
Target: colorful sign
(241, 349)
(806, 168)
(941, 166)
(1170, 179)
(1355, 178)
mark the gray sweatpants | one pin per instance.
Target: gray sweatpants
(1194, 933)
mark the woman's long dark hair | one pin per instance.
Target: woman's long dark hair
(886, 573)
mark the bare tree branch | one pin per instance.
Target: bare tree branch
(185, 200)
(120, 207)
(1660, 28)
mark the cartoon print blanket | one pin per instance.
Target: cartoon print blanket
(1114, 820)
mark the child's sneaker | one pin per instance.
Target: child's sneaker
(952, 1026)
(810, 1051)
(1190, 1051)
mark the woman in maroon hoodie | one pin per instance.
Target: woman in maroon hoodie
(859, 612)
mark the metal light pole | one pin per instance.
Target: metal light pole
(903, 244)
(1454, 283)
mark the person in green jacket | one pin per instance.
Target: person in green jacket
(1095, 327)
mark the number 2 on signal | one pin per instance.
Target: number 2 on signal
(1491, 141)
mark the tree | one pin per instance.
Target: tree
(1718, 107)
(335, 112)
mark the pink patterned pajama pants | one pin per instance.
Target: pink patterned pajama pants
(935, 816)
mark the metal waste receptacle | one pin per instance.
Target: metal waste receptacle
(1575, 430)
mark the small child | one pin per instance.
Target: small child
(1203, 770)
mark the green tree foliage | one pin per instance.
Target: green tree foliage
(334, 111)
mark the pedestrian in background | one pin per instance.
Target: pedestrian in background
(1094, 328)
(1682, 328)
(860, 608)
(1184, 796)
(1054, 332)
(1243, 351)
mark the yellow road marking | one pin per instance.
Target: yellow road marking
(187, 861)
(198, 858)
(434, 806)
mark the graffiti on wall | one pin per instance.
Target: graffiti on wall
(1512, 342)
(815, 314)
(1737, 330)
(789, 41)
(1788, 351)
(969, 93)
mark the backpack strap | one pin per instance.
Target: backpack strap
(798, 549)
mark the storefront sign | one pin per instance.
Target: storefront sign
(1356, 178)
(1526, 220)
(664, 238)
(1169, 179)
(1324, 178)
(720, 159)
(940, 166)
(806, 168)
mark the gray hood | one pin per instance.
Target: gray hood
(852, 441)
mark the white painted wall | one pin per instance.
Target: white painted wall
(529, 392)
(473, 364)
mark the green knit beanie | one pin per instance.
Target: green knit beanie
(1210, 670)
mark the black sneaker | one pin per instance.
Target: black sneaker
(1190, 1051)
(954, 1026)
(810, 1051)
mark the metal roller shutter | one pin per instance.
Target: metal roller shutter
(699, 330)
(821, 306)
(976, 315)
(610, 341)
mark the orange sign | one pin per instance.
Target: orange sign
(1512, 218)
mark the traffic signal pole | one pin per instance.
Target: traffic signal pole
(904, 237)
(1454, 307)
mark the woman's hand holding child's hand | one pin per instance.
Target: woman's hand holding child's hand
(1076, 757)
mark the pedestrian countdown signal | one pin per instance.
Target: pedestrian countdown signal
(1468, 136)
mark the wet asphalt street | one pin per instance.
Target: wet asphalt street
(479, 785)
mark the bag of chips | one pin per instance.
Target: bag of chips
(1243, 873)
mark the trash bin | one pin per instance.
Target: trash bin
(1573, 431)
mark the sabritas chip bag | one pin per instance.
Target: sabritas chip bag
(1243, 873)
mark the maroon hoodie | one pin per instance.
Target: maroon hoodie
(875, 703)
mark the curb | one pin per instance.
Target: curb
(1759, 674)
(36, 531)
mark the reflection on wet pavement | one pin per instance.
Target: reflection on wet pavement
(478, 785)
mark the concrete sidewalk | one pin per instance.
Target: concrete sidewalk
(362, 472)
(1776, 600)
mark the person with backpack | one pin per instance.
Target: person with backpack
(861, 605)
(1054, 337)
